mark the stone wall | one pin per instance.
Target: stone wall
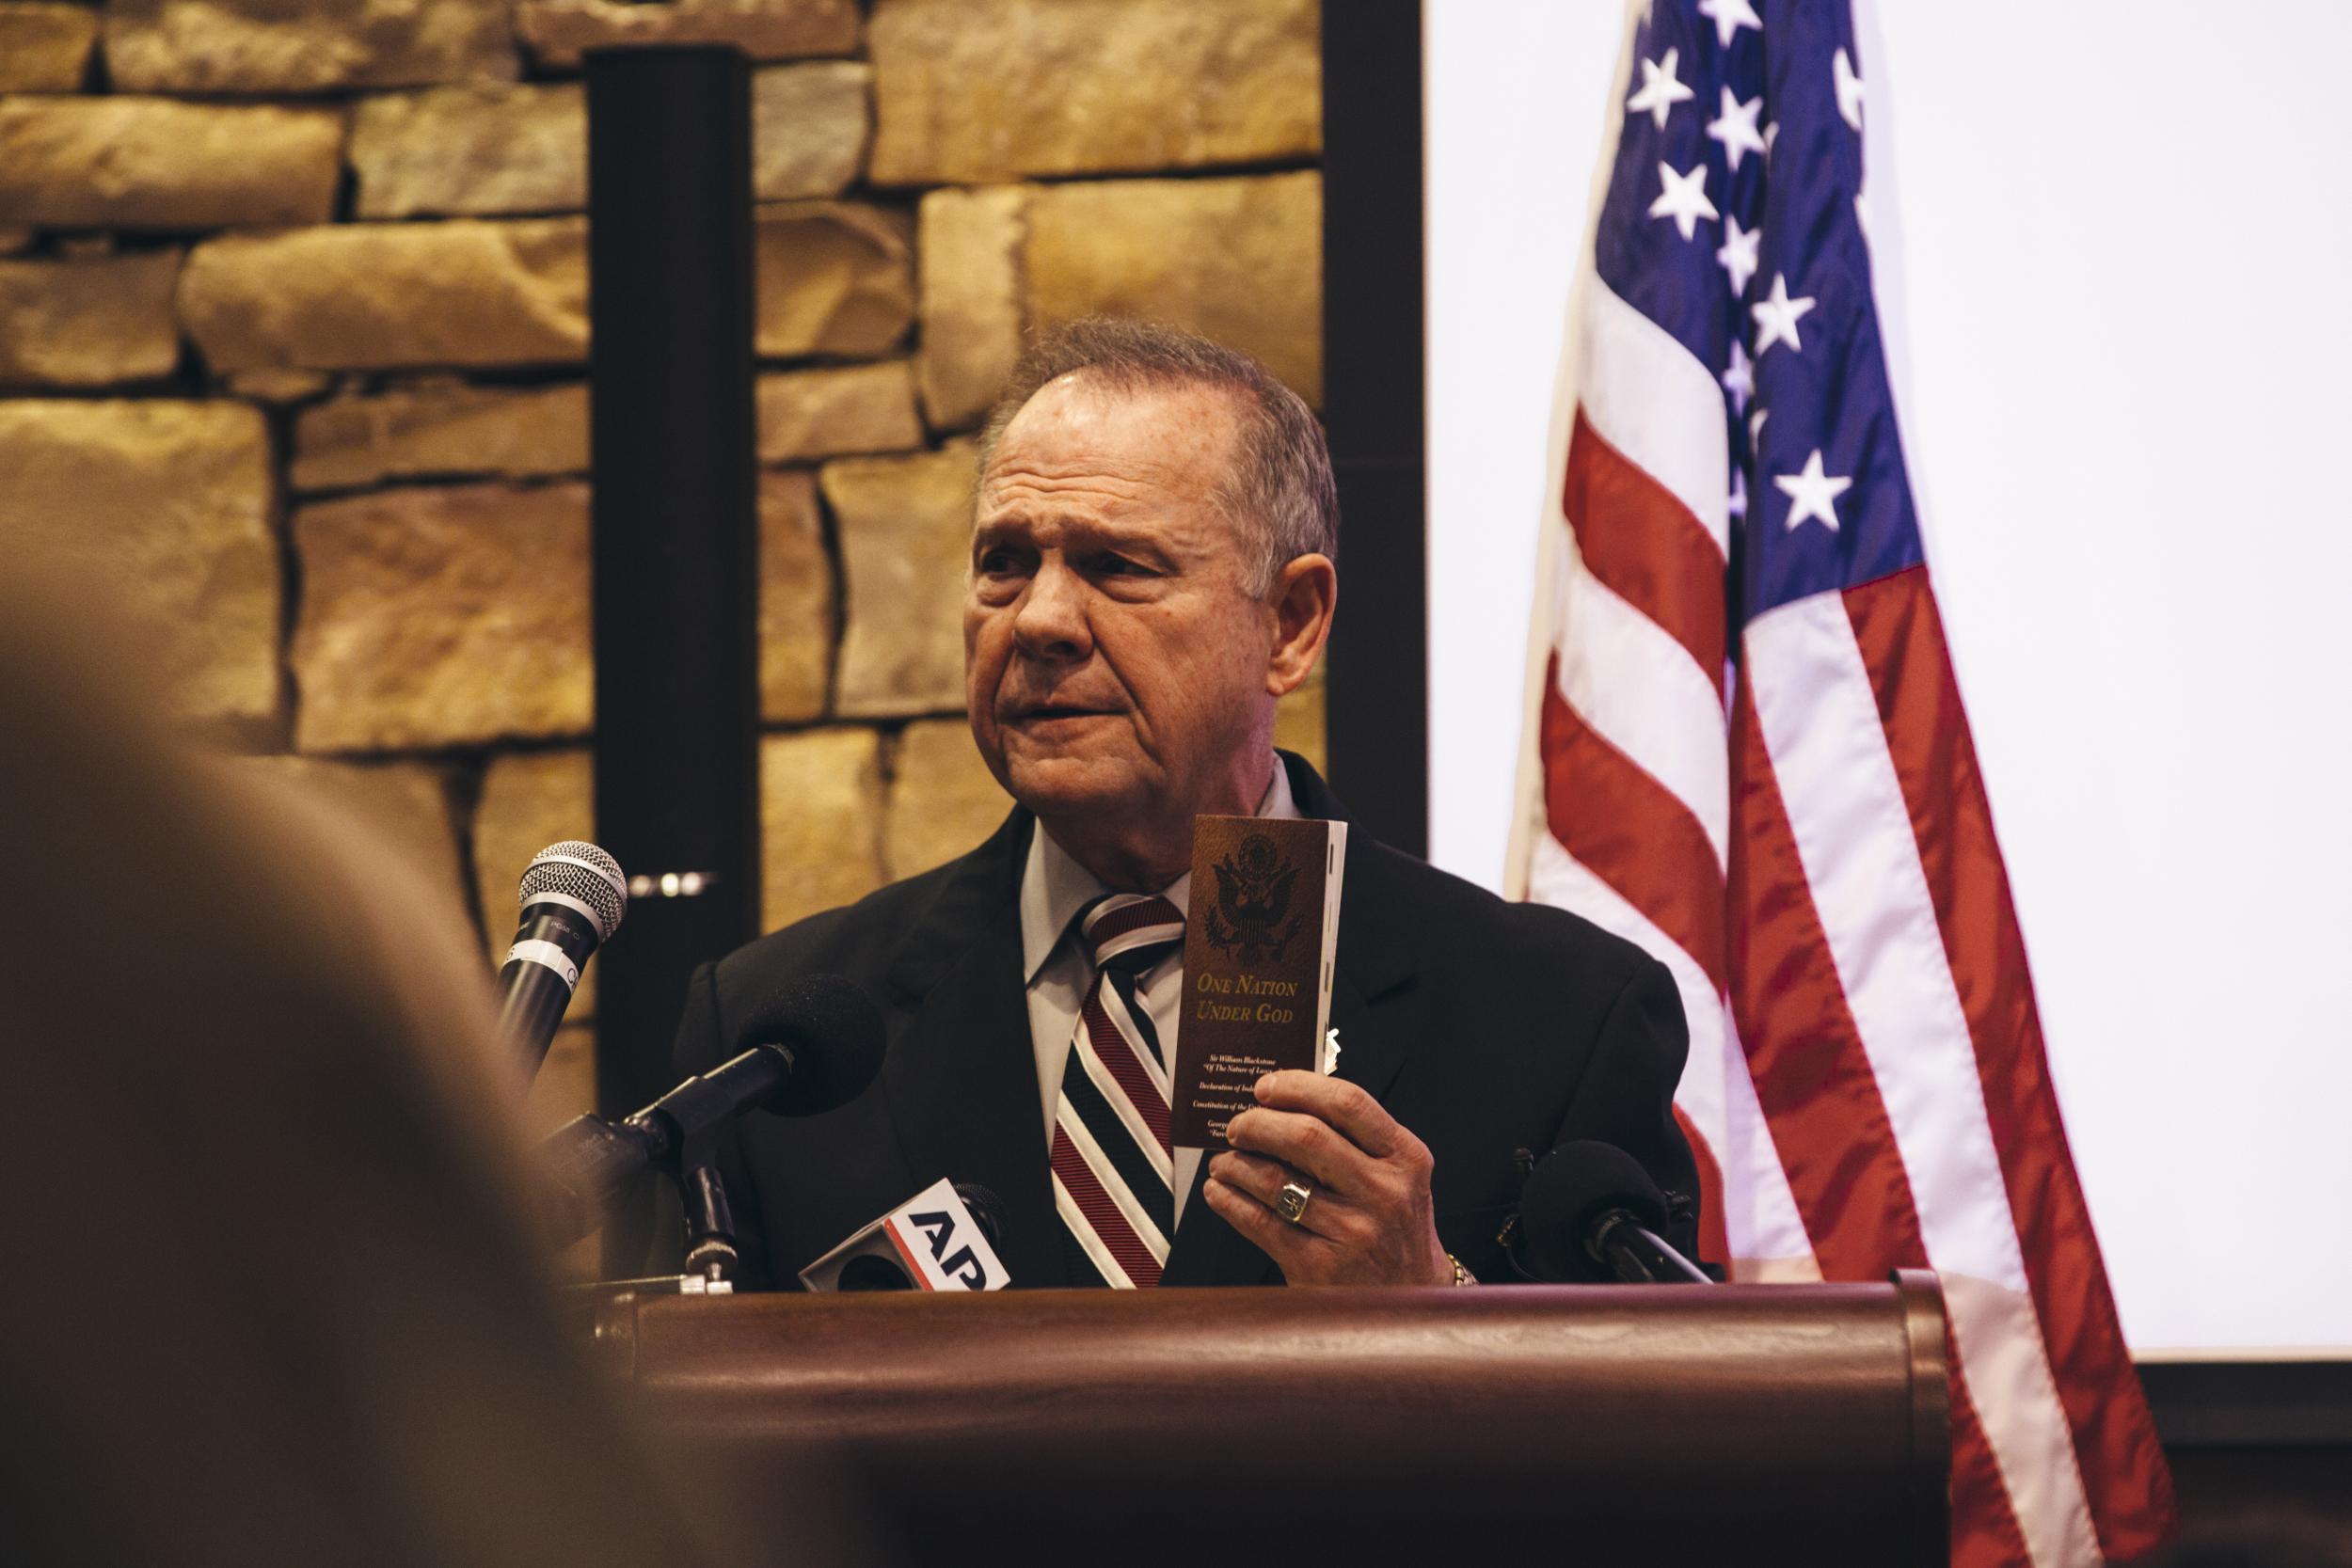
(293, 327)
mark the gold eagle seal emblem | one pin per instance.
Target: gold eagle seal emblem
(1251, 921)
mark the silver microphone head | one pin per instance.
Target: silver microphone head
(582, 876)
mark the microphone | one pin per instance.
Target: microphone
(1590, 1211)
(573, 896)
(944, 1238)
(987, 1212)
(814, 1045)
(874, 1271)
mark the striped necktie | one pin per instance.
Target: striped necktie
(1111, 1155)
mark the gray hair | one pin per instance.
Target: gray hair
(1279, 493)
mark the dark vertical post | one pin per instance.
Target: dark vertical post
(676, 533)
(1373, 400)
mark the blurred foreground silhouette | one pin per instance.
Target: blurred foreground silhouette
(273, 1294)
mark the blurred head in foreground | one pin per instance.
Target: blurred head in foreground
(273, 1296)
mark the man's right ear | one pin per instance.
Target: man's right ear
(1305, 596)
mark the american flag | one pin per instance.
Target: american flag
(1750, 757)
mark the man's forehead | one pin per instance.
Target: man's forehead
(1079, 434)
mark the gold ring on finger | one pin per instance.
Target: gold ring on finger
(1290, 1202)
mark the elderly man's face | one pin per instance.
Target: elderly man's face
(1114, 664)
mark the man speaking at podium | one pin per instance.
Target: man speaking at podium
(1154, 562)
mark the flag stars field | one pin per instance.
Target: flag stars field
(1729, 16)
(1848, 86)
(1776, 316)
(1734, 127)
(1683, 198)
(1812, 493)
(1740, 379)
(1661, 90)
(1738, 253)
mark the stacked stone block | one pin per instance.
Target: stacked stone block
(293, 340)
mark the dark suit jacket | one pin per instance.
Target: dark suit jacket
(1485, 1026)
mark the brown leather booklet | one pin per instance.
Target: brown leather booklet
(1261, 927)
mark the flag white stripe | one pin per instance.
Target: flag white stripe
(1761, 1226)
(1081, 1139)
(1827, 744)
(1641, 692)
(1075, 1219)
(1130, 1115)
(1647, 395)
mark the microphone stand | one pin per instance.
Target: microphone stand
(1639, 1255)
(711, 1254)
(1618, 1241)
(710, 1227)
(711, 1259)
(676, 1136)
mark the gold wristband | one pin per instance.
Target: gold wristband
(1461, 1275)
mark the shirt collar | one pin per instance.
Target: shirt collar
(1053, 887)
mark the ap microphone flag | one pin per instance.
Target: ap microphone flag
(931, 1242)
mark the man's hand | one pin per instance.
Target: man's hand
(1370, 1221)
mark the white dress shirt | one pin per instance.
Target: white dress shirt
(1053, 888)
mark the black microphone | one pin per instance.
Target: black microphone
(876, 1271)
(1590, 1211)
(814, 1045)
(573, 898)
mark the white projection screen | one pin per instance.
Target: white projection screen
(2112, 243)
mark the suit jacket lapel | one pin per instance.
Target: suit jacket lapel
(1374, 1007)
(1206, 1250)
(1374, 1002)
(961, 1073)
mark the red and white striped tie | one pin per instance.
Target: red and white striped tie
(1111, 1154)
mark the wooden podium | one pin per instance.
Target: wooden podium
(1743, 1424)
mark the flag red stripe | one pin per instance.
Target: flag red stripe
(1714, 1247)
(1102, 1213)
(1900, 634)
(1644, 546)
(1632, 832)
(1820, 1098)
(1805, 1053)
